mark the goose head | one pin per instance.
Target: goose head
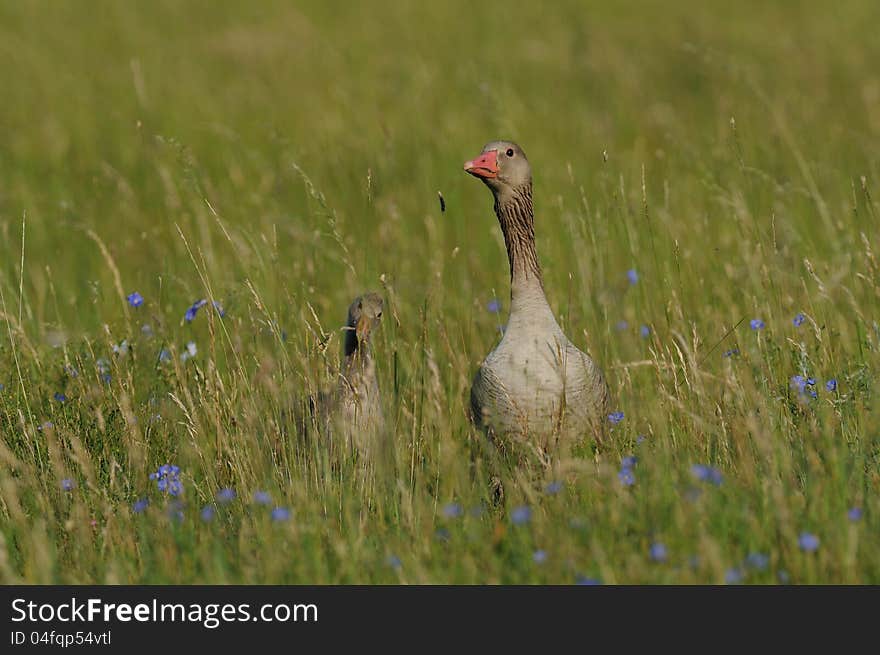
(364, 316)
(503, 167)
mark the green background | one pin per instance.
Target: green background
(282, 158)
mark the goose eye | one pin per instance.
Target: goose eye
(509, 152)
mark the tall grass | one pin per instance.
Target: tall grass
(281, 160)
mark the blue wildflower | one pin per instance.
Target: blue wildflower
(658, 552)
(645, 331)
(854, 514)
(135, 299)
(452, 511)
(831, 385)
(640, 439)
(225, 495)
(280, 514)
(627, 477)
(207, 513)
(494, 306)
(60, 397)
(67, 484)
(757, 561)
(167, 479)
(584, 580)
(733, 576)
(262, 498)
(756, 324)
(539, 556)
(521, 515)
(621, 326)
(219, 309)
(442, 534)
(393, 561)
(140, 506)
(2, 386)
(164, 355)
(798, 320)
(808, 542)
(705, 473)
(193, 310)
(804, 386)
(554, 487)
(632, 275)
(731, 352)
(190, 351)
(615, 417)
(629, 461)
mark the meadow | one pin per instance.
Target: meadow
(706, 194)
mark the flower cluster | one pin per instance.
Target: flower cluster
(626, 475)
(708, 474)
(798, 320)
(615, 417)
(167, 479)
(806, 386)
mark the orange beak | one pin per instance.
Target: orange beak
(486, 165)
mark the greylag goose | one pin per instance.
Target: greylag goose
(351, 414)
(535, 387)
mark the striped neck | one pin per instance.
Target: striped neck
(517, 218)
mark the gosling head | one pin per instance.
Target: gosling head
(503, 167)
(364, 316)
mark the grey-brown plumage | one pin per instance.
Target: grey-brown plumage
(535, 386)
(350, 415)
